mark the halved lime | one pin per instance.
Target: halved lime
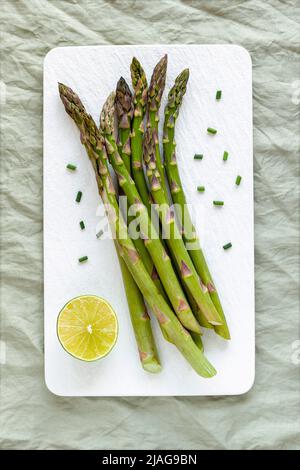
(87, 327)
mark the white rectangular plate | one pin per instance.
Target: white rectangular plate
(93, 72)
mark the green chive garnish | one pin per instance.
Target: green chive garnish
(79, 196)
(218, 203)
(99, 234)
(225, 156)
(82, 259)
(72, 167)
(218, 94)
(211, 130)
(82, 226)
(198, 156)
(238, 180)
(201, 189)
(228, 245)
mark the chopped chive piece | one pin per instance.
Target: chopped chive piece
(225, 156)
(79, 196)
(99, 234)
(218, 94)
(201, 189)
(82, 259)
(218, 203)
(228, 245)
(211, 130)
(238, 180)
(198, 156)
(82, 226)
(72, 167)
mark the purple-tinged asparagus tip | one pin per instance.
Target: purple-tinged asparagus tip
(107, 118)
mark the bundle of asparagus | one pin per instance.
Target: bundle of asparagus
(158, 266)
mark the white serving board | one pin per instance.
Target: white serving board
(92, 72)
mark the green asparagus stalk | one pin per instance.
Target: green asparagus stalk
(93, 142)
(156, 89)
(161, 260)
(140, 86)
(189, 232)
(174, 240)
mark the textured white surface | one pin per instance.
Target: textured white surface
(92, 73)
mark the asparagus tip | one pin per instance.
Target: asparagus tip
(124, 104)
(107, 114)
(122, 84)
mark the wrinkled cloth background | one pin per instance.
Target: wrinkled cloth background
(266, 417)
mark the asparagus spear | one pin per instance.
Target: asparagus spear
(189, 233)
(140, 86)
(93, 142)
(161, 260)
(174, 240)
(156, 89)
